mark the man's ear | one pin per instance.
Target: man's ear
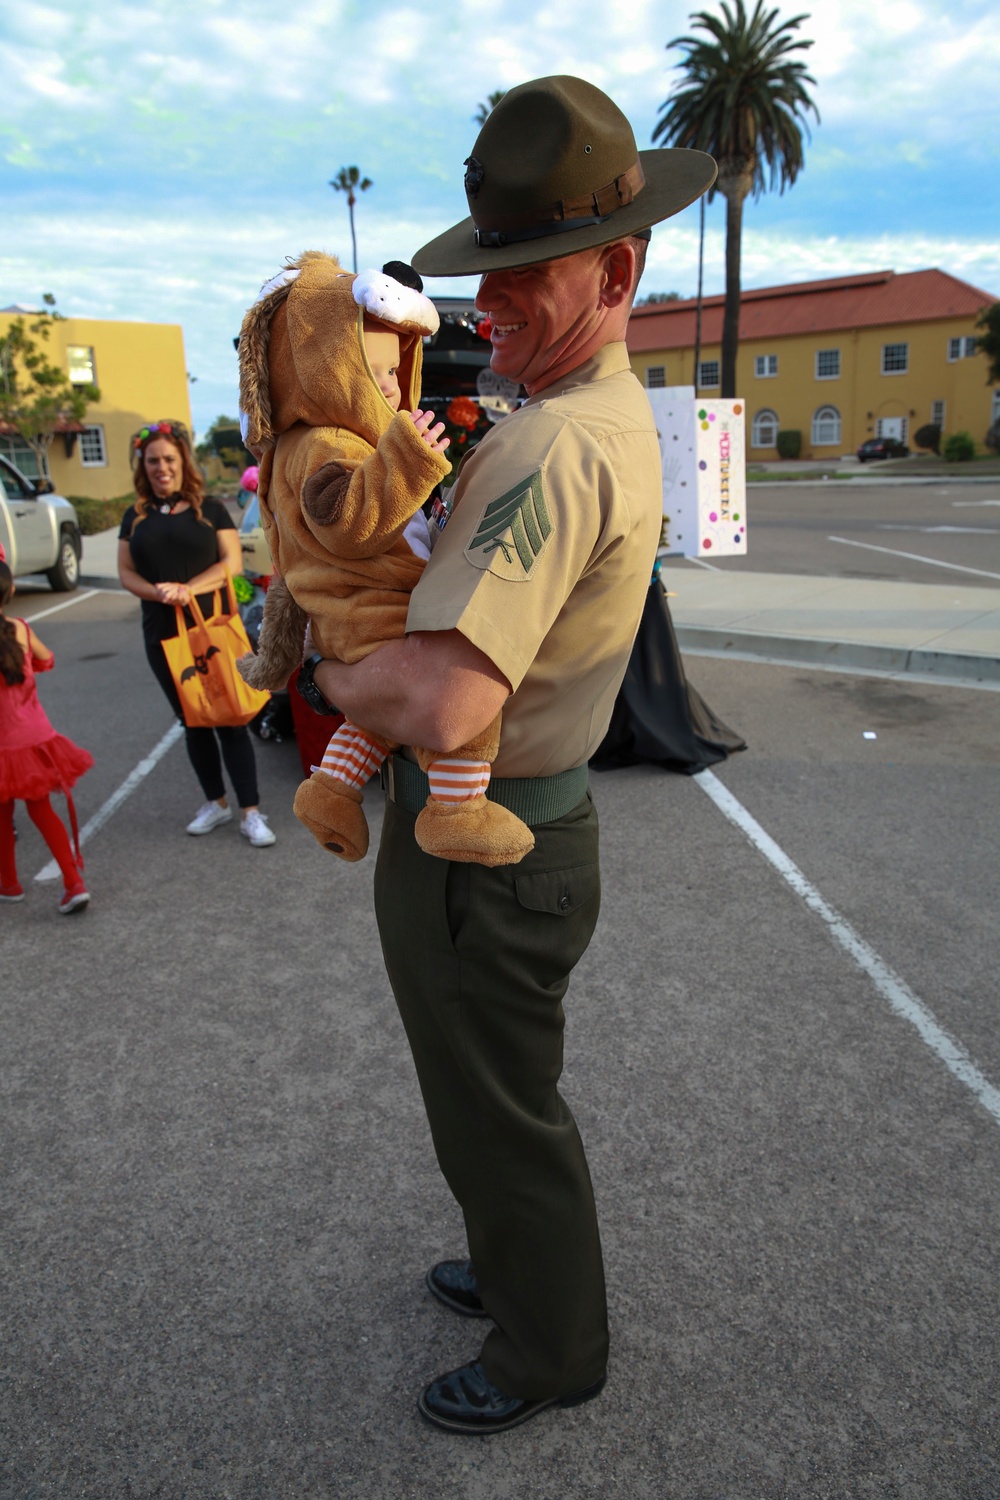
(618, 273)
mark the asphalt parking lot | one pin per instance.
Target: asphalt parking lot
(218, 1196)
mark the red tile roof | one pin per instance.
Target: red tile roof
(865, 301)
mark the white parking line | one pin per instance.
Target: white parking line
(931, 562)
(128, 786)
(76, 599)
(889, 984)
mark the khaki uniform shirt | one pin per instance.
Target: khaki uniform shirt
(546, 559)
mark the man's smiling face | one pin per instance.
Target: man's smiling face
(544, 316)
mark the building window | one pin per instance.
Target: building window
(963, 348)
(827, 364)
(826, 427)
(93, 454)
(80, 359)
(764, 429)
(995, 413)
(656, 376)
(22, 457)
(895, 359)
(708, 372)
(937, 414)
(765, 365)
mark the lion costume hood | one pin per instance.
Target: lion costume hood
(302, 353)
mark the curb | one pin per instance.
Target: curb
(953, 666)
(856, 479)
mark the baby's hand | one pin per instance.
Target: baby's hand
(431, 435)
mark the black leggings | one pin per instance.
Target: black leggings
(203, 745)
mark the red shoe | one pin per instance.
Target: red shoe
(73, 897)
(11, 893)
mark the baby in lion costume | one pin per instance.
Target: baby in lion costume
(330, 369)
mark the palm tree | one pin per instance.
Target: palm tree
(485, 110)
(744, 100)
(346, 180)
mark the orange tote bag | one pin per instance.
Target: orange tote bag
(202, 660)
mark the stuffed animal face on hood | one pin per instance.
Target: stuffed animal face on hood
(302, 350)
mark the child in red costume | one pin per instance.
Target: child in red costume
(34, 759)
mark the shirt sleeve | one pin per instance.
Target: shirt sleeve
(216, 512)
(528, 522)
(128, 521)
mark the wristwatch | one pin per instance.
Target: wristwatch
(308, 688)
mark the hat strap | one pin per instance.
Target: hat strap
(567, 214)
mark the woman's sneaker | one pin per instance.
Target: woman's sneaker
(209, 816)
(11, 893)
(253, 825)
(73, 897)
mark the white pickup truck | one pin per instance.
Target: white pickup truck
(39, 530)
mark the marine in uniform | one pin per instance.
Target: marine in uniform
(530, 601)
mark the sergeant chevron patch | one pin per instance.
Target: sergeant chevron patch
(513, 531)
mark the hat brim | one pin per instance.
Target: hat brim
(675, 177)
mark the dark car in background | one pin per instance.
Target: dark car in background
(882, 447)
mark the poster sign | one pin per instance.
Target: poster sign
(703, 448)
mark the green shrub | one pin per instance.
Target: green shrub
(99, 515)
(789, 443)
(959, 448)
(928, 436)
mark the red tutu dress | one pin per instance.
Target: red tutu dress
(34, 759)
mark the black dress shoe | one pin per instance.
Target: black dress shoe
(453, 1282)
(466, 1400)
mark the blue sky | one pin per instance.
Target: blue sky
(161, 161)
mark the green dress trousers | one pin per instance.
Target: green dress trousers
(479, 961)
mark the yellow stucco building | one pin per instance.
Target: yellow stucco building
(141, 373)
(840, 361)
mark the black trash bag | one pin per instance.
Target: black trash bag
(658, 716)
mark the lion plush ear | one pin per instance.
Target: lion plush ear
(254, 344)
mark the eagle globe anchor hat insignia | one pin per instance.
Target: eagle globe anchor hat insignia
(555, 169)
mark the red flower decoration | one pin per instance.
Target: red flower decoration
(464, 412)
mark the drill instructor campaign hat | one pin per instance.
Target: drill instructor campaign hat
(555, 169)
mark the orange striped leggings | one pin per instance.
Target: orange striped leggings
(354, 757)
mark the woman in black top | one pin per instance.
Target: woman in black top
(174, 543)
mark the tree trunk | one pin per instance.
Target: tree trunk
(734, 183)
(697, 318)
(354, 243)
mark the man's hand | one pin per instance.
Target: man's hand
(431, 435)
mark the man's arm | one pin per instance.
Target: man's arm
(432, 688)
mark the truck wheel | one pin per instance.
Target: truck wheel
(66, 574)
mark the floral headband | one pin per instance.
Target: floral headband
(175, 430)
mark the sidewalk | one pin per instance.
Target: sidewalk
(947, 631)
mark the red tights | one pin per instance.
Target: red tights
(53, 831)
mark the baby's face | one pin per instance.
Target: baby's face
(382, 348)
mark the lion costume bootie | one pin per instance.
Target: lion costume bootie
(458, 821)
(333, 814)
